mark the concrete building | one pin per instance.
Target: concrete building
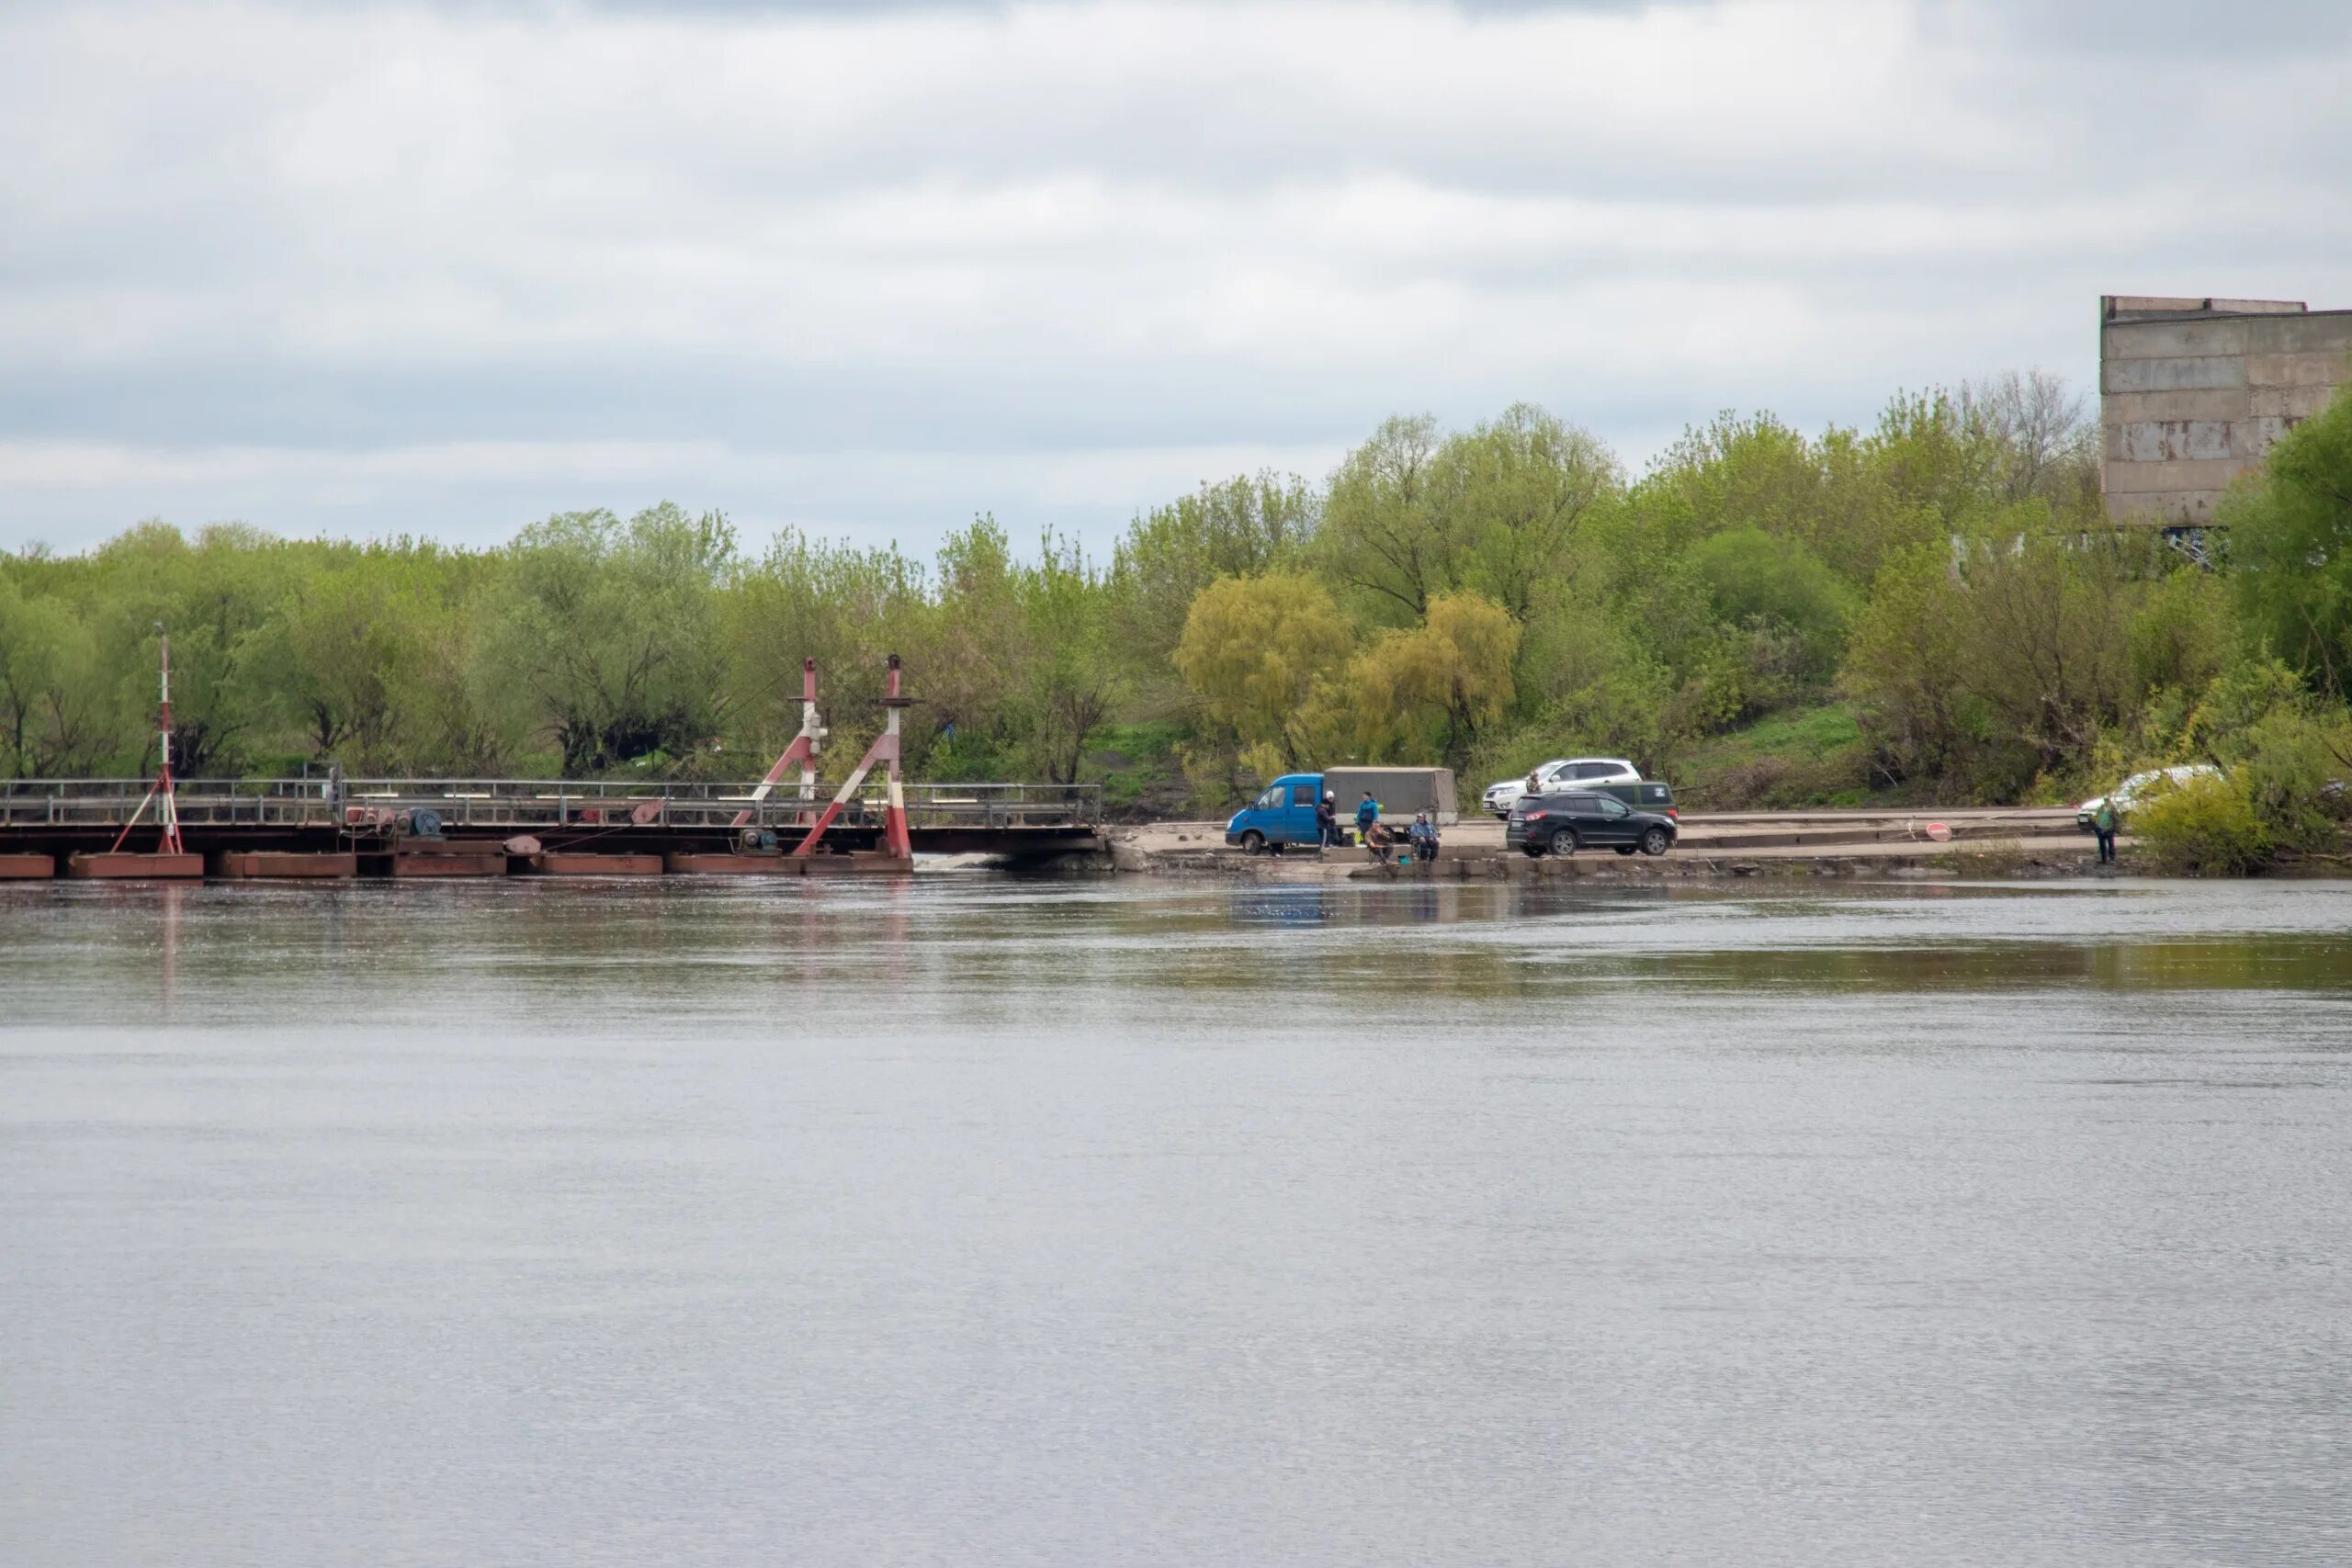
(2193, 391)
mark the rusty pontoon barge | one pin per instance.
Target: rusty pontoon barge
(328, 826)
(402, 826)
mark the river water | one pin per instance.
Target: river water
(980, 1220)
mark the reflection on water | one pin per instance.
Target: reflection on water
(976, 1219)
(99, 952)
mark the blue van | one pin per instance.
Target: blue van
(1283, 813)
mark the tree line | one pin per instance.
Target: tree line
(1481, 597)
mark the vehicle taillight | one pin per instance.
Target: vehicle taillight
(1537, 816)
(1673, 814)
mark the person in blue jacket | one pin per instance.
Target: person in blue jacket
(1367, 814)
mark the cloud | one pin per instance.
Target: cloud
(882, 267)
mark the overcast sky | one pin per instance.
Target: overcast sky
(871, 268)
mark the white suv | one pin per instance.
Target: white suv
(1558, 774)
(2130, 791)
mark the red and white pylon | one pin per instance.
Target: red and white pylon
(803, 748)
(885, 750)
(167, 812)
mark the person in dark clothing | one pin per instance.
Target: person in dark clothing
(1327, 823)
(1424, 834)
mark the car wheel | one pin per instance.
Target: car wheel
(1562, 844)
(1253, 842)
(1655, 841)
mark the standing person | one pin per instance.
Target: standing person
(2103, 824)
(1326, 824)
(1367, 814)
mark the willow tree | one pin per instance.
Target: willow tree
(611, 632)
(59, 709)
(1253, 652)
(1245, 526)
(1425, 695)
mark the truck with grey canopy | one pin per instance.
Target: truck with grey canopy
(1283, 812)
(1402, 792)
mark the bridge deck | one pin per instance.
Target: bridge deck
(64, 816)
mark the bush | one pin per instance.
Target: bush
(2206, 828)
(967, 759)
(2292, 768)
(1776, 585)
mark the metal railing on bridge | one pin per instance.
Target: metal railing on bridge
(534, 803)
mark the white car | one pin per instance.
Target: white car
(2138, 785)
(1558, 774)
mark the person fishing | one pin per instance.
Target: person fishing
(2103, 823)
(1423, 835)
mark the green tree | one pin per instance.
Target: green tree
(1383, 535)
(977, 676)
(218, 597)
(344, 641)
(2184, 633)
(611, 632)
(1906, 667)
(846, 608)
(59, 708)
(1938, 452)
(2015, 660)
(1072, 679)
(1254, 649)
(2291, 546)
(1435, 687)
(1839, 496)
(2051, 650)
(1246, 526)
(1766, 585)
(1510, 497)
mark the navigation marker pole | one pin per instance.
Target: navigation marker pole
(803, 749)
(167, 811)
(894, 838)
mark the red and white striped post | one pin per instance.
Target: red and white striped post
(168, 808)
(895, 838)
(803, 749)
(885, 750)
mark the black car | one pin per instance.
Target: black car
(1564, 823)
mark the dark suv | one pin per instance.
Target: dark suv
(1564, 823)
(1650, 795)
